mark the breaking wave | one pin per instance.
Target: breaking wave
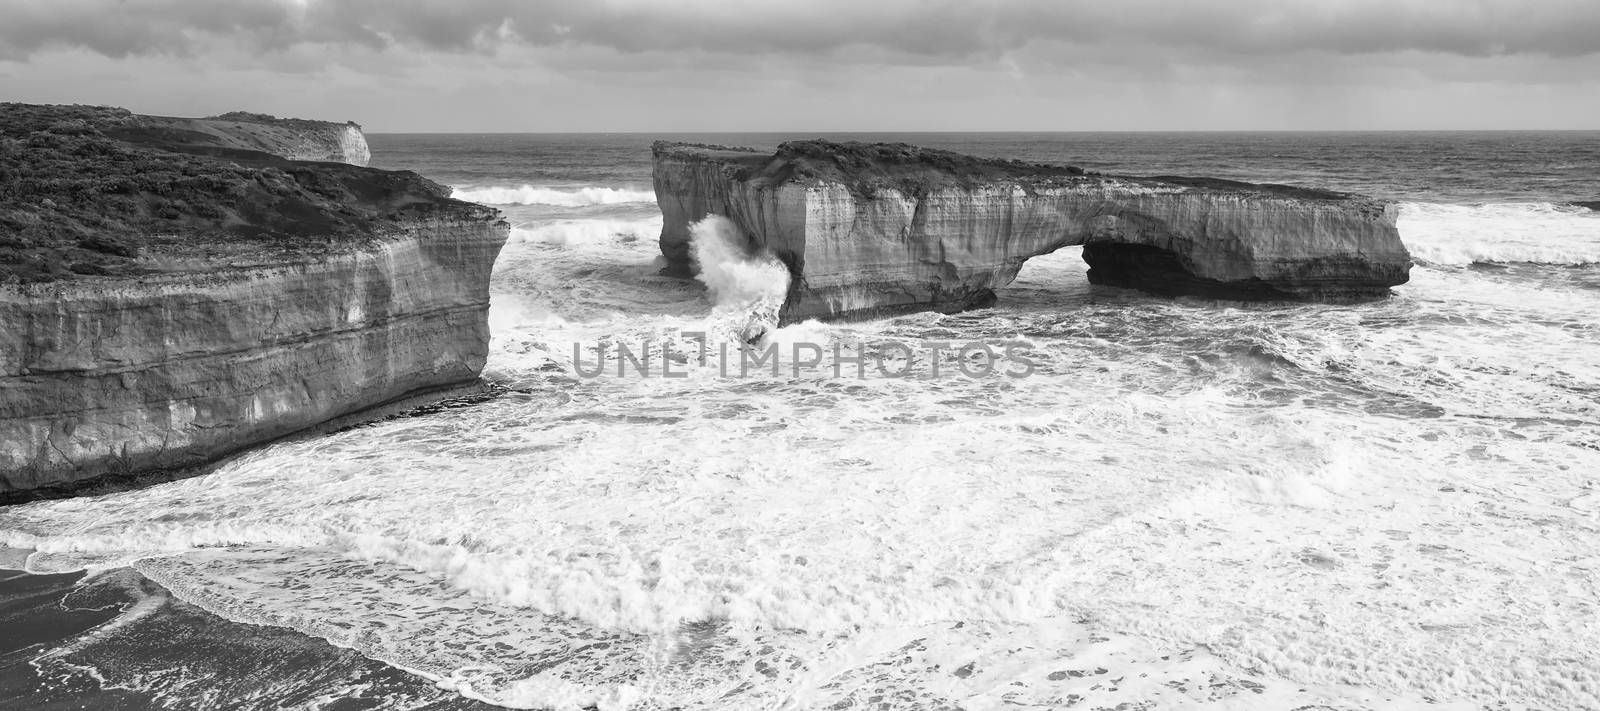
(747, 286)
(545, 195)
(588, 232)
(1500, 233)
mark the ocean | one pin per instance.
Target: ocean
(1186, 503)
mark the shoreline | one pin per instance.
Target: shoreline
(116, 639)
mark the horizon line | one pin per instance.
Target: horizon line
(1003, 131)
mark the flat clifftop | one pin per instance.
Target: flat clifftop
(88, 191)
(296, 139)
(270, 120)
(864, 166)
(914, 170)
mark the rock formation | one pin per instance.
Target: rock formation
(871, 230)
(295, 139)
(166, 301)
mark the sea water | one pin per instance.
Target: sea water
(1185, 504)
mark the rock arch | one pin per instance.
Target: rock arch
(877, 229)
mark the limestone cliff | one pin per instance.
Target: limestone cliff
(213, 297)
(120, 376)
(869, 230)
(295, 139)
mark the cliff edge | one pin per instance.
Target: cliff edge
(169, 299)
(295, 139)
(291, 138)
(877, 229)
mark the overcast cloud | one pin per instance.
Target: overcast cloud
(823, 64)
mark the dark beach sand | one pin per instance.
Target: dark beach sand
(119, 641)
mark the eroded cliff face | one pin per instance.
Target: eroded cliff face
(120, 376)
(174, 290)
(295, 139)
(876, 230)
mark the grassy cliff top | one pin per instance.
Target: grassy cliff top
(866, 167)
(269, 119)
(913, 170)
(887, 162)
(88, 190)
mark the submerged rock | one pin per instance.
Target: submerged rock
(167, 299)
(871, 230)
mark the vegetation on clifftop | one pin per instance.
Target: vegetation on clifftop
(88, 190)
(251, 117)
(866, 168)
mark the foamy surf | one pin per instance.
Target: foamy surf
(592, 232)
(1191, 505)
(554, 196)
(747, 284)
(1500, 233)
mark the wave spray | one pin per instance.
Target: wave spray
(747, 285)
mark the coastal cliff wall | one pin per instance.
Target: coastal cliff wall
(172, 293)
(876, 230)
(289, 138)
(110, 377)
(295, 139)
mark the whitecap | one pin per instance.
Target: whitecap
(1500, 233)
(546, 195)
(587, 232)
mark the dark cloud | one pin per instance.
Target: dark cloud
(909, 31)
(119, 28)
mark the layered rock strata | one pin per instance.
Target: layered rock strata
(871, 230)
(285, 296)
(113, 376)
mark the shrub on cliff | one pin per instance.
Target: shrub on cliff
(912, 170)
(87, 190)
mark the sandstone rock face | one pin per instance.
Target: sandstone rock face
(121, 376)
(219, 296)
(871, 230)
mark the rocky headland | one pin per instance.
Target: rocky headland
(877, 229)
(295, 139)
(175, 290)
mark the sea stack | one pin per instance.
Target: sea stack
(871, 230)
(175, 290)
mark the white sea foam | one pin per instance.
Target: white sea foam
(1541, 233)
(559, 197)
(747, 285)
(587, 232)
(848, 538)
(738, 274)
(1221, 507)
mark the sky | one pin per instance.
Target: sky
(821, 65)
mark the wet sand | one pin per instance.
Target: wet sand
(116, 640)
